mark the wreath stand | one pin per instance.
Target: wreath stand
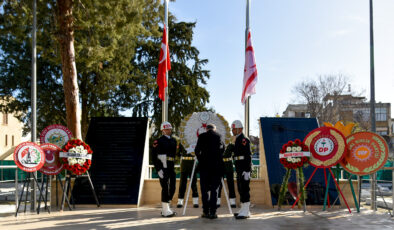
(354, 141)
(26, 184)
(59, 180)
(356, 202)
(67, 185)
(190, 185)
(299, 150)
(327, 183)
(48, 181)
(300, 181)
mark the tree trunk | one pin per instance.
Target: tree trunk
(69, 69)
(85, 106)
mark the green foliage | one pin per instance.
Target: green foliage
(185, 77)
(301, 184)
(117, 46)
(15, 63)
(283, 188)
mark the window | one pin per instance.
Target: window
(382, 132)
(5, 118)
(364, 114)
(361, 114)
(381, 114)
(6, 140)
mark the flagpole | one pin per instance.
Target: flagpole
(246, 129)
(372, 102)
(165, 102)
(34, 97)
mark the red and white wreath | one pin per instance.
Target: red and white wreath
(294, 154)
(76, 156)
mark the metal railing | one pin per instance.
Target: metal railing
(342, 176)
(2, 167)
(392, 187)
(149, 173)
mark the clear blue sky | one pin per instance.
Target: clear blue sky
(293, 40)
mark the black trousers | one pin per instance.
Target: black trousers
(168, 185)
(209, 183)
(183, 183)
(243, 188)
(230, 185)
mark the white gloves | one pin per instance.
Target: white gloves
(161, 174)
(246, 175)
(163, 159)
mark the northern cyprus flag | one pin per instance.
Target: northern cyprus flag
(250, 71)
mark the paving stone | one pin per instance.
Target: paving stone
(149, 218)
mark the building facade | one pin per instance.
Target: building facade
(10, 134)
(296, 110)
(348, 108)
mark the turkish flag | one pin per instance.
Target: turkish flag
(250, 71)
(164, 65)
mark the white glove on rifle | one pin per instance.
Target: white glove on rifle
(246, 175)
(161, 174)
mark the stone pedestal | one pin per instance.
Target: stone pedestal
(151, 193)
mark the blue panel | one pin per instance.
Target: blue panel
(278, 131)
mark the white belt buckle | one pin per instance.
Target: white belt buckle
(240, 157)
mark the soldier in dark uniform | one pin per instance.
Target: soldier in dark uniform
(229, 174)
(163, 156)
(209, 151)
(187, 162)
(243, 167)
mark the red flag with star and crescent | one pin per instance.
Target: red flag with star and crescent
(250, 71)
(164, 65)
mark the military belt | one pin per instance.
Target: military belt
(188, 158)
(170, 158)
(237, 158)
(227, 159)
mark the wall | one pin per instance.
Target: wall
(12, 129)
(151, 193)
